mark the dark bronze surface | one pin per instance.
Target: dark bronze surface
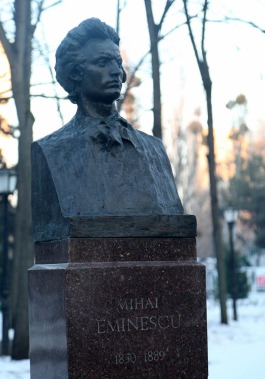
(97, 165)
(119, 226)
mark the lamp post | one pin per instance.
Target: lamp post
(230, 215)
(7, 187)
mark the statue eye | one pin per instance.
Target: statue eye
(102, 62)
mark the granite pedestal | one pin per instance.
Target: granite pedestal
(119, 307)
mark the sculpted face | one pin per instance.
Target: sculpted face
(102, 73)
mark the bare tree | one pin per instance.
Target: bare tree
(156, 37)
(203, 66)
(18, 49)
(120, 8)
(154, 33)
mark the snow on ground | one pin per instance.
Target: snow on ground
(14, 369)
(236, 351)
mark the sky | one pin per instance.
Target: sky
(237, 62)
(235, 53)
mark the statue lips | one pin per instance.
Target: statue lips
(114, 84)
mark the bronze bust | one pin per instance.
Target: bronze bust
(97, 164)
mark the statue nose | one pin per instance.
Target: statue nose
(115, 68)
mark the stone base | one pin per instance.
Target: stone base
(118, 314)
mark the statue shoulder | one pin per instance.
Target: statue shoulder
(58, 137)
(150, 140)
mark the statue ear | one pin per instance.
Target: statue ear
(77, 74)
(124, 76)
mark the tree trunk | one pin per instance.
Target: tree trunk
(20, 73)
(19, 54)
(153, 33)
(24, 246)
(217, 239)
(157, 131)
(207, 83)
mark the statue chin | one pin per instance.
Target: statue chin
(109, 99)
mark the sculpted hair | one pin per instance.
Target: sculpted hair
(69, 58)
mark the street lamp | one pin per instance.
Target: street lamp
(7, 186)
(230, 215)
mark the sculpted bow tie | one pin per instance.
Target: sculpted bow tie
(111, 133)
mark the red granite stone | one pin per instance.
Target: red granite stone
(80, 250)
(118, 308)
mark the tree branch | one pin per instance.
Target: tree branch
(175, 27)
(52, 5)
(245, 22)
(132, 76)
(167, 6)
(205, 8)
(188, 18)
(39, 12)
(47, 60)
(150, 17)
(8, 47)
(41, 9)
(139, 64)
(55, 97)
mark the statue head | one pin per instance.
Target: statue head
(79, 51)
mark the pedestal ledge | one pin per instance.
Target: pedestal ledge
(120, 226)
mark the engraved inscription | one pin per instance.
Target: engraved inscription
(142, 303)
(155, 356)
(149, 356)
(137, 315)
(123, 359)
(138, 323)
